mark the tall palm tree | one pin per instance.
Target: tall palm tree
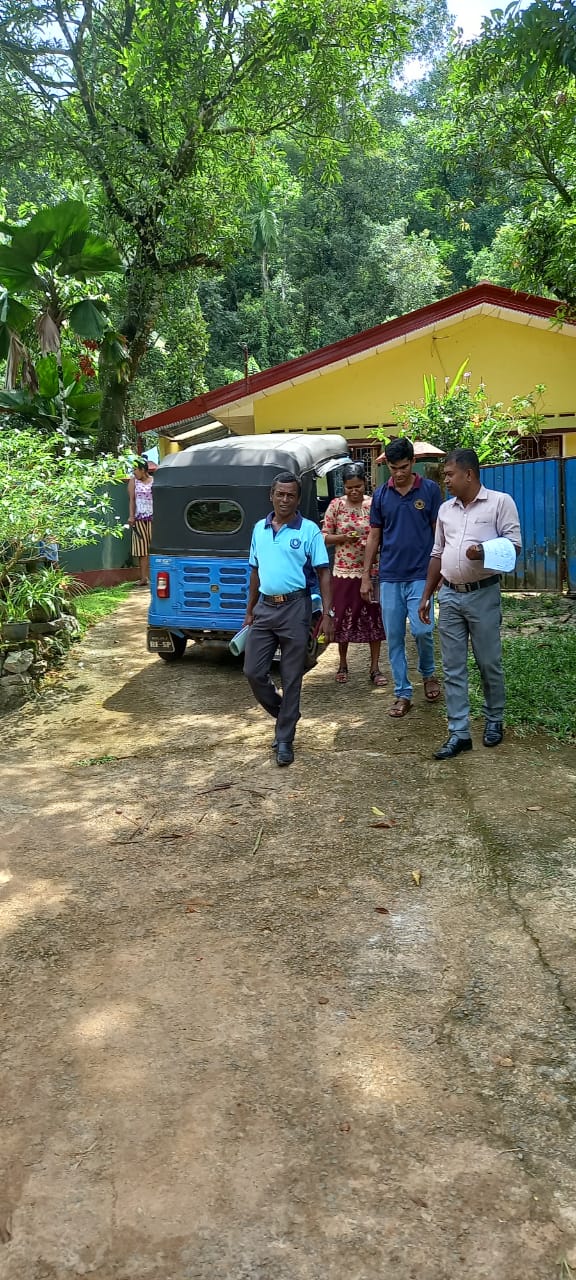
(265, 227)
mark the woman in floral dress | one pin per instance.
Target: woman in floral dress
(346, 526)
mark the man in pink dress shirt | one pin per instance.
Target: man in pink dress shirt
(469, 597)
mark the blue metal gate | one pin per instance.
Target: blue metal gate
(570, 521)
(537, 491)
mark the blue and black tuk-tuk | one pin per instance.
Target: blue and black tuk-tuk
(207, 500)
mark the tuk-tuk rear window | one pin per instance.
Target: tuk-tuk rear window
(214, 515)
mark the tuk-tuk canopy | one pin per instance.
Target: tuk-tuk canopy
(208, 497)
(254, 459)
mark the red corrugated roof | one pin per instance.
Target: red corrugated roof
(491, 294)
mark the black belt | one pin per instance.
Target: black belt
(283, 599)
(473, 586)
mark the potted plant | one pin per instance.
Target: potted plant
(40, 596)
(14, 625)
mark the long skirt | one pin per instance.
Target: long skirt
(356, 622)
(141, 537)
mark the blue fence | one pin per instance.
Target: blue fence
(570, 521)
(537, 491)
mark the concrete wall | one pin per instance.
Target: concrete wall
(108, 561)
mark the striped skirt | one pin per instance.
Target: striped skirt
(141, 537)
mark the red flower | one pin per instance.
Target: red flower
(87, 367)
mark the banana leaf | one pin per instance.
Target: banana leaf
(56, 221)
(33, 408)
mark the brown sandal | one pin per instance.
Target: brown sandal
(432, 689)
(342, 676)
(377, 679)
(400, 708)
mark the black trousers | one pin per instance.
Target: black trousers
(288, 626)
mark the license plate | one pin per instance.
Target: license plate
(160, 642)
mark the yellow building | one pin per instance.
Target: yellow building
(510, 340)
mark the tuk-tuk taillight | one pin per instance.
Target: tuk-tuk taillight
(163, 586)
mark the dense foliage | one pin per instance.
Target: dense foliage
(271, 178)
(50, 319)
(50, 494)
(462, 416)
(172, 111)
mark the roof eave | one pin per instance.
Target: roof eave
(358, 344)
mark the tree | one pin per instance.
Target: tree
(340, 266)
(512, 108)
(501, 261)
(264, 226)
(44, 491)
(48, 268)
(400, 228)
(173, 368)
(408, 264)
(546, 30)
(174, 107)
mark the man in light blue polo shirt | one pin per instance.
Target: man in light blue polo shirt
(286, 553)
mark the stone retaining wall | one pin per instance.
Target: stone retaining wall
(25, 663)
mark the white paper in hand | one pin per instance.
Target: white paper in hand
(500, 555)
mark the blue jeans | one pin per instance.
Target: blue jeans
(399, 601)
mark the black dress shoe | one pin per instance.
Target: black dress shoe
(284, 753)
(274, 744)
(493, 733)
(452, 747)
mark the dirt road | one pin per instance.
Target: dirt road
(239, 1041)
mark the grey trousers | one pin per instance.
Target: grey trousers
(476, 615)
(285, 625)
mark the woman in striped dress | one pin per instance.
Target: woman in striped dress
(140, 495)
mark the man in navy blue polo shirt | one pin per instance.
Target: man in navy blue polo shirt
(286, 553)
(403, 520)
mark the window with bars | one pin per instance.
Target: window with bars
(366, 454)
(542, 446)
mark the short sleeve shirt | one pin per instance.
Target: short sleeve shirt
(407, 522)
(491, 514)
(342, 517)
(286, 559)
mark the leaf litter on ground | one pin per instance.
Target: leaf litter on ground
(383, 822)
(258, 841)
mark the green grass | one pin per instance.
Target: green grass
(539, 654)
(89, 761)
(540, 672)
(91, 606)
(521, 610)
